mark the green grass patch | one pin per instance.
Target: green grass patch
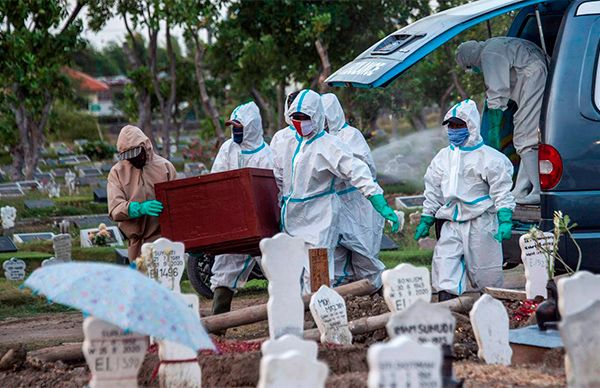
(15, 302)
(417, 257)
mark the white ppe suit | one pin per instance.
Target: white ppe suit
(232, 270)
(466, 186)
(514, 69)
(360, 226)
(306, 169)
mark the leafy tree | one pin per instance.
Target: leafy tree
(37, 38)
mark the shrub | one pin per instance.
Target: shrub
(98, 150)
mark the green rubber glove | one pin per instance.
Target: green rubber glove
(147, 208)
(505, 225)
(424, 226)
(495, 126)
(380, 204)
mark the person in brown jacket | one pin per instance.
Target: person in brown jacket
(130, 189)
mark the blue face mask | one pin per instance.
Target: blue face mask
(238, 134)
(458, 136)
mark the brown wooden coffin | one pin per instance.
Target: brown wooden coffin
(226, 212)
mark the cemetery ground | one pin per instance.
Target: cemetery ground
(40, 329)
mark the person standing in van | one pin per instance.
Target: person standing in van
(513, 69)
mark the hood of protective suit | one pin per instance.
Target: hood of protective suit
(467, 111)
(131, 137)
(468, 54)
(249, 116)
(309, 103)
(334, 114)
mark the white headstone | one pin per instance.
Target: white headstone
(114, 358)
(283, 260)
(185, 372)
(70, 181)
(577, 292)
(582, 344)
(401, 219)
(14, 269)
(288, 342)
(53, 190)
(490, 325)
(403, 362)
(62, 247)
(167, 263)
(51, 261)
(8, 215)
(404, 284)
(328, 309)
(424, 323)
(536, 263)
(292, 370)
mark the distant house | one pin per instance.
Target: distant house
(100, 92)
(106, 99)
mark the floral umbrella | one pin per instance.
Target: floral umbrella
(123, 297)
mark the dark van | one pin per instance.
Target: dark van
(569, 154)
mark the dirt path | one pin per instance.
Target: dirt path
(42, 330)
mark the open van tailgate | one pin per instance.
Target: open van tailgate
(387, 59)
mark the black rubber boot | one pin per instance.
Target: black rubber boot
(221, 304)
(444, 295)
(222, 300)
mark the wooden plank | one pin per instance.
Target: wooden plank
(319, 268)
(258, 313)
(505, 293)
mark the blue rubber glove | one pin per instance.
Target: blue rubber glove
(424, 226)
(147, 208)
(380, 204)
(505, 225)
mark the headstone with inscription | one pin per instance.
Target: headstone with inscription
(70, 177)
(404, 284)
(114, 358)
(14, 269)
(489, 320)
(62, 244)
(423, 322)
(284, 258)
(403, 362)
(535, 261)
(292, 370)
(166, 263)
(328, 309)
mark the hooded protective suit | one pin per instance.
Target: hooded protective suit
(467, 185)
(514, 69)
(232, 270)
(278, 142)
(361, 227)
(307, 168)
(128, 184)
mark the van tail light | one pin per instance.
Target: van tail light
(551, 166)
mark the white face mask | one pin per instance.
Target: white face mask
(304, 127)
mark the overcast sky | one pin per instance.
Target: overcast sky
(114, 30)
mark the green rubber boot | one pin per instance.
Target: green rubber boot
(221, 304)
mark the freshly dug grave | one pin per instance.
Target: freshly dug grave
(237, 363)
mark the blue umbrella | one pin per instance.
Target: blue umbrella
(123, 297)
